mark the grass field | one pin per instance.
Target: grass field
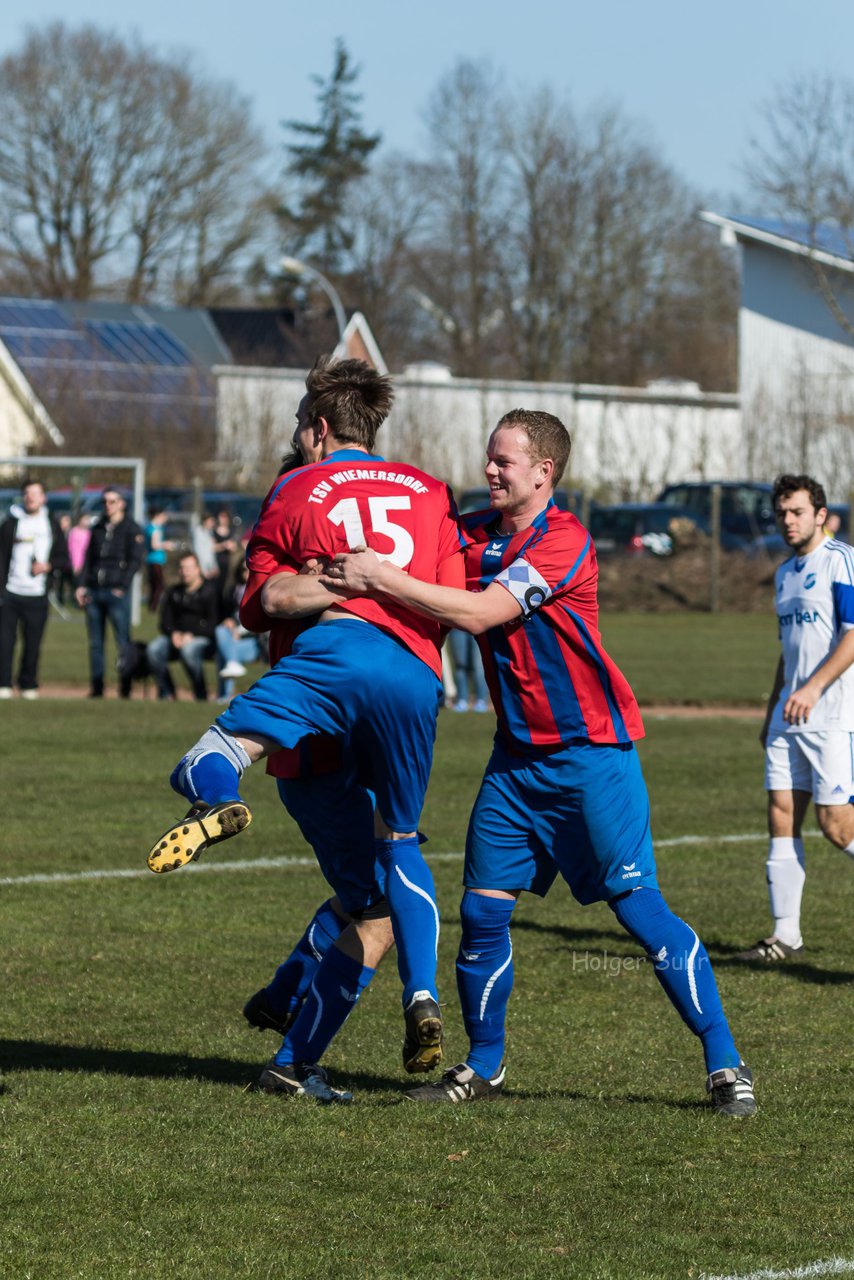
(130, 1146)
(693, 658)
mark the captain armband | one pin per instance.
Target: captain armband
(525, 585)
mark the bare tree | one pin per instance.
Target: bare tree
(536, 244)
(120, 171)
(454, 266)
(389, 211)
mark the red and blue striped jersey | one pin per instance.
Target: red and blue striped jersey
(550, 679)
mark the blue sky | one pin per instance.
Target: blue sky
(692, 75)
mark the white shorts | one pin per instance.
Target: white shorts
(820, 763)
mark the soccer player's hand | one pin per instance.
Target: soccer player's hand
(359, 571)
(314, 567)
(799, 704)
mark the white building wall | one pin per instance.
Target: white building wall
(627, 442)
(796, 369)
(21, 414)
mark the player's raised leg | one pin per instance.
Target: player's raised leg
(208, 775)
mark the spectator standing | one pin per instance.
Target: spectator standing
(225, 545)
(32, 547)
(62, 578)
(78, 540)
(156, 548)
(204, 547)
(188, 619)
(468, 672)
(114, 555)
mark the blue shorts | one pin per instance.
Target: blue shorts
(336, 816)
(349, 679)
(583, 812)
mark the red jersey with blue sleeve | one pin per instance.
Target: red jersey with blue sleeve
(550, 679)
(352, 498)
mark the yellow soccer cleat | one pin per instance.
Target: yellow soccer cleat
(204, 824)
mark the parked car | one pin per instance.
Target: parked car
(638, 528)
(746, 509)
(245, 508)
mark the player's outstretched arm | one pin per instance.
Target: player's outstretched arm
(362, 572)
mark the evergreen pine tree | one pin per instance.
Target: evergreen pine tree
(325, 160)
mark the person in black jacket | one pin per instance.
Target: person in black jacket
(32, 547)
(115, 553)
(188, 618)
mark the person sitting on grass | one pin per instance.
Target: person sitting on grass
(188, 618)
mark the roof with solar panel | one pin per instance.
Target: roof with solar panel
(107, 362)
(140, 375)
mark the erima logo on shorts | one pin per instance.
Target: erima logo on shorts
(629, 872)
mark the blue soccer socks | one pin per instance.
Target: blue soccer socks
(683, 968)
(411, 897)
(291, 981)
(485, 977)
(335, 988)
(212, 769)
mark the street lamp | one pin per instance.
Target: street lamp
(296, 267)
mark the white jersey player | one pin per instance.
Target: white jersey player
(808, 733)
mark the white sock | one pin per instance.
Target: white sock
(786, 874)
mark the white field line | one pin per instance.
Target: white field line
(272, 864)
(196, 869)
(831, 1267)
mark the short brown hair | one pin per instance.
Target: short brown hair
(351, 395)
(547, 436)
(786, 485)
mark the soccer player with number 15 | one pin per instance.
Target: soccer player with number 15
(368, 672)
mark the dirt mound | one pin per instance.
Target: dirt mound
(682, 582)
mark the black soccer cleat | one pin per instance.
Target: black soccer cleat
(301, 1080)
(459, 1084)
(259, 1013)
(204, 824)
(731, 1091)
(770, 951)
(422, 1045)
